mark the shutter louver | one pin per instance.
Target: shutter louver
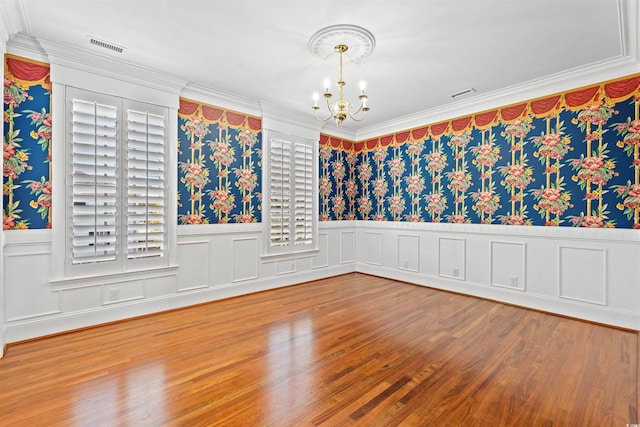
(94, 182)
(280, 191)
(303, 183)
(145, 185)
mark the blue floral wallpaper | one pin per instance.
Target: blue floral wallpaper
(26, 186)
(569, 159)
(219, 165)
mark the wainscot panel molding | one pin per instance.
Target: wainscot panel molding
(213, 262)
(581, 273)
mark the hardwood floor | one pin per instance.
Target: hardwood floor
(350, 350)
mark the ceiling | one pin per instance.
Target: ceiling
(425, 50)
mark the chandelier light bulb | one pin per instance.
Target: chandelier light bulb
(341, 108)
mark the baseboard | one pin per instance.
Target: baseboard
(59, 323)
(563, 307)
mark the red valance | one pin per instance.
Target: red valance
(578, 99)
(386, 140)
(187, 108)
(402, 137)
(254, 123)
(371, 144)
(439, 129)
(27, 70)
(459, 125)
(543, 107)
(234, 119)
(484, 120)
(212, 114)
(420, 133)
(512, 113)
(621, 89)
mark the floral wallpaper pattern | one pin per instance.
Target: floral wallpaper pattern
(219, 165)
(569, 159)
(26, 186)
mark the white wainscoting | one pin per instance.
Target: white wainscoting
(587, 274)
(214, 262)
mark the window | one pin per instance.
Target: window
(115, 184)
(291, 199)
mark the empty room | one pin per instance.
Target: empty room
(288, 213)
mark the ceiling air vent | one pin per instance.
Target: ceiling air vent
(463, 92)
(107, 45)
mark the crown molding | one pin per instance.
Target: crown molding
(221, 98)
(627, 63)
(289, 121)
(12, 18)
(107, 65)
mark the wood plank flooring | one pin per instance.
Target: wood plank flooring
(350, 350)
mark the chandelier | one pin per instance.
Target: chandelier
(340, 39)
(341, 108)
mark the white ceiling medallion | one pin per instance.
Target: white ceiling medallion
(360, 41)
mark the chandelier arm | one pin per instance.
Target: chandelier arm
(352, 115)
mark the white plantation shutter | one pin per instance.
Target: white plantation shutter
(94, 181)
(303, 186)
(145, 184)
(115, 184)
(280, 192)
(291, 216)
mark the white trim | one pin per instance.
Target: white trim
(55, 323)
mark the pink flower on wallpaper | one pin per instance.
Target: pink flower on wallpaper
(338, 171)
(192, 219)
(351, 189)
(8, 151)
(8, 223)
(339, 205)
(592, 163)
(325, 154)
(380, 187)
(458, 219)
(396, 167)
(551, 194)
(364, 206)
(325, 186)
(415, 184)
(364, 172)
(460, 141)
(591, 221)
(515, 220)
(379, 154)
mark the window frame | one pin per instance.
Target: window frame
(122, 263)
(290, 249)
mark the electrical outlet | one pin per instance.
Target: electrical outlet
(513, 280)
(405, 263)
(456, 272)
(114, 294)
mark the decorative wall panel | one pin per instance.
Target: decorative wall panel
(347, 247)
(508, 265)
(373, 248)
(408, 252)
(452, 258)
(245, 259)
(582, 274)
(193, 259)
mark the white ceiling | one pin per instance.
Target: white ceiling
(425, 50)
